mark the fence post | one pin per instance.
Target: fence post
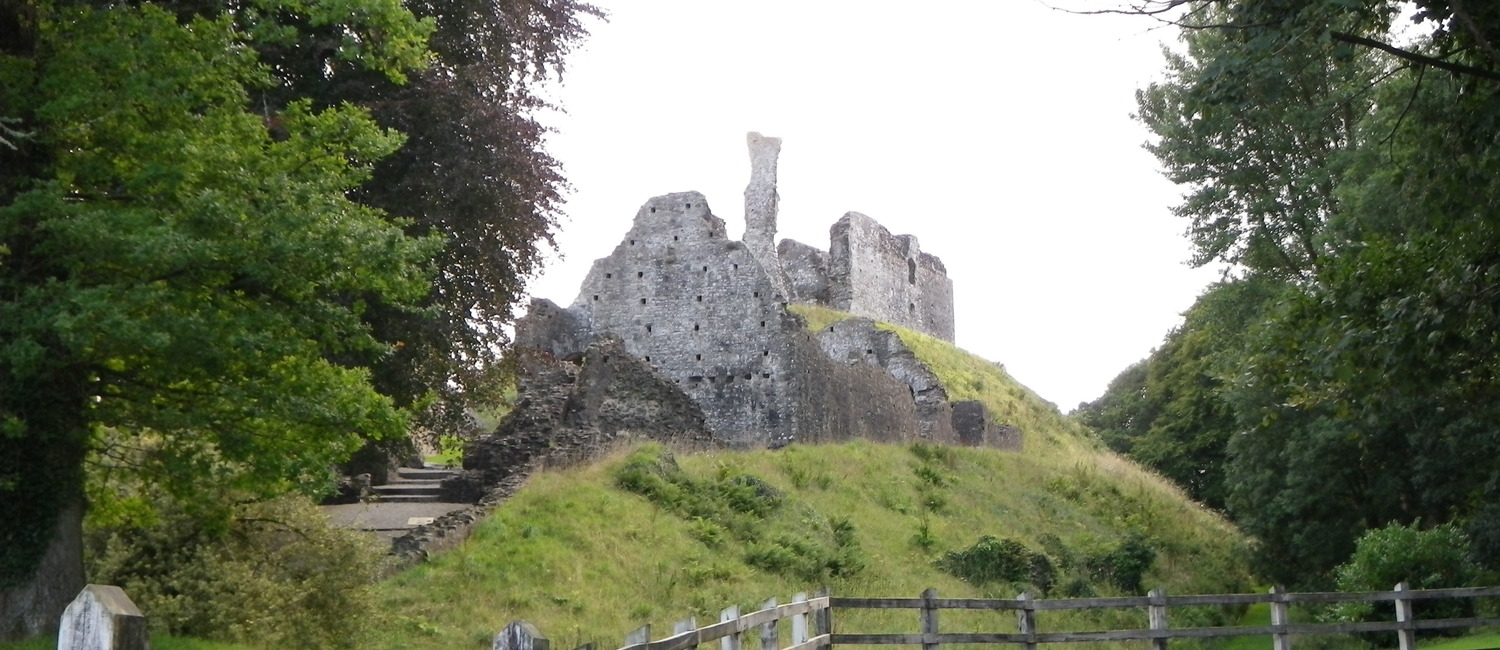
(768, 639)
(823, 620)
(1026, 619)
(929, 620)
(685, 625)
(1156, 614)
(520, 635)
(1407, 632)
(799, 621)
(639, 635)
(1280, 639)
(731, 642)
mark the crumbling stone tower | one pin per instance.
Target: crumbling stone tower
(709, 314)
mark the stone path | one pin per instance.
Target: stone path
(411, 499)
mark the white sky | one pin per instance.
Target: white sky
(997, 132)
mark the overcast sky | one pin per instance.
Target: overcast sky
(999, 133)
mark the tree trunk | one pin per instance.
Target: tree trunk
(34, 608)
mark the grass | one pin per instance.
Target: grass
(158, 642)
(586, 561)
(1483, 641)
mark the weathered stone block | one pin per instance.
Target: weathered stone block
(520, 635)
(102, 617)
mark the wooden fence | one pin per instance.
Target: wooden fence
(1158, 605)
(812, 620)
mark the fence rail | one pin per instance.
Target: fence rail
(1158, 605)
(812, 626)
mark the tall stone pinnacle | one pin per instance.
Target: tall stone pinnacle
(761, 206)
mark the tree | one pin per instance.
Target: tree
(1255, 127)
(473, 172)
(1168, 411)
(1367, 181)
(178, 274)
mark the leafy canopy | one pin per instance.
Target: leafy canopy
(178, 274)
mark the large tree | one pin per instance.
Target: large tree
(473, 172)
(1358, 170)
(181, 267)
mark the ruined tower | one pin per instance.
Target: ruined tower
(761, 206)
(710, 315)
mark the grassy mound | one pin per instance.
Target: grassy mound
(648, 537)
(587, 554)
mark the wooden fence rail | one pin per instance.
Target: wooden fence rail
(1158, 605)
(811, 621)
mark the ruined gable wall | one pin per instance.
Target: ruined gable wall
(878, 275)
(701, 310)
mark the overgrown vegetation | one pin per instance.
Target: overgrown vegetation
(278, 576)
(741, 506)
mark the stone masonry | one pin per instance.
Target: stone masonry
(709, 314)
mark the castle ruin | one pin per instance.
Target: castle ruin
(709, 315)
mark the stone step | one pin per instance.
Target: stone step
(409, 487)
(409, 498)
(426, 473)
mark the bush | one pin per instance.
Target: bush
(279, 576)
(989, 560)
(1424, 559)
(1125, 567)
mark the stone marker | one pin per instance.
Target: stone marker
(103, 618)
(419, 521)
(520, 635)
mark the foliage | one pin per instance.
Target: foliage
(473, 172)
(179, 275)
(989, 560)
(278, 577)
(1423, 559)
(1434, 558)
(1355, 181)
(1169, 411)
(740, 504)
(1126, 565)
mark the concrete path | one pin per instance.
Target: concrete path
(389, 520)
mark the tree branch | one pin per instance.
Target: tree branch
(1456, 68)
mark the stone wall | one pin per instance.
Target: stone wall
(695, 306)
(709, 315)
(886, 277)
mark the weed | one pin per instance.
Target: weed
(923, 538)
(934, 453)
(926, 474)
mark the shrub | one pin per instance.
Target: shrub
(1424, 559)
(989, 560)
(1125, 567)
(278, 576)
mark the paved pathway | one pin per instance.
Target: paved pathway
(389, 520)
(408, 501)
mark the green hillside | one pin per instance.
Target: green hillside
(648, 536)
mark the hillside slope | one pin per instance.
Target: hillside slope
(648, 536)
